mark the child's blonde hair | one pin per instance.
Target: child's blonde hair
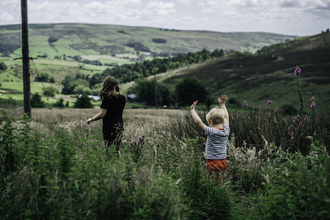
(216, 115)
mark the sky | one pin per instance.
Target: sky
(289, 17)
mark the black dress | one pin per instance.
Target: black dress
(113, 120)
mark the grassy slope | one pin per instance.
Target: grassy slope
(89, 39)
(259, 78)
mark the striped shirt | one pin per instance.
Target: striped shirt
(216, 142)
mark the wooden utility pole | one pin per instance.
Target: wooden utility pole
(156, 91)
(26, 59)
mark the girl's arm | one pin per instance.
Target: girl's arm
(196, 118)
(98, 116)
(222, 103)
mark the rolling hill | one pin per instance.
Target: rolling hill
(267, 74)
(104, 40)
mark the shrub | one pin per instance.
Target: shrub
(3, 66)
(36, 101)
(289, 110)
(298, 188)
(59, 103)
(49, 91)
(232, 101)
(52, 39)
(83, 102)
(79, 89)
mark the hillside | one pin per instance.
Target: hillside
(268, 74)
(106, 40)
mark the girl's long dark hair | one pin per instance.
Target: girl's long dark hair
(109, 88)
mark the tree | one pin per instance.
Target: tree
(3, 66)
(49, 91)
(36, 101)
(83, 102)
(189, 90)
(43, 77)
(145, 90)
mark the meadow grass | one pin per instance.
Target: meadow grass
(56, 167)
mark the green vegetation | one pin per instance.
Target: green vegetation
(190, 90)
(49, 91)
(36, 101)
(57, 168)
(83, 101)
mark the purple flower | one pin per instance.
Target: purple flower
(135, 139)
(298, 117)
(306, 118)
(124, 141)
(313, 105)
(140, 137)
(295, 119)
(269, 102)
(275, 111)
(291, 127)
(300, 125)
(245, 104)
(297, 71)
(313, 99)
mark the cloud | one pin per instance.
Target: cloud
(160, 8)
(209, 10)
(4, 16)
(9, 2)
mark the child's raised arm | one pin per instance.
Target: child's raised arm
(196, 118)
(222, 103)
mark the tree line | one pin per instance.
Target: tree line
(131, 72)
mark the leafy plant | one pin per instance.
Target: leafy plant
(298, 188)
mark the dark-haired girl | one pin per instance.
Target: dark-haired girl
(112, 107)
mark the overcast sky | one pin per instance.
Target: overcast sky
(292, 17)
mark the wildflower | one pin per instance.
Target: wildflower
(306, 118)
(300, 125)
(245, 104)
(291, 127)
(275, 111)
(124, 141)
(135, 139)
(295, 119)
(313, 105)
(269, 102)
(297, 71)
(140, 137)
(313, 99)
(298, 117)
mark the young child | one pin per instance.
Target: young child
(217, 136)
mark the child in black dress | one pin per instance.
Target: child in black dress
(111, 112)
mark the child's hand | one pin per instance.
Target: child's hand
(223, 99)
(193, 105)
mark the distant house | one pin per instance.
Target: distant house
(146, 54)
(94, 98)
(131, 98)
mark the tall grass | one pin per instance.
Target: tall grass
(55, 168)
